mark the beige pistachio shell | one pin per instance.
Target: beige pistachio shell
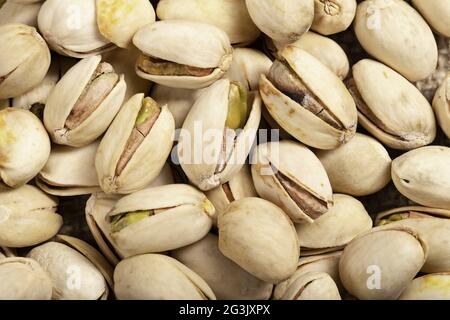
(390, 107)
(360, 167)
(158, 277)
(70, 28)
(394, 33)
(56, 179)
(324, 87)
(271, 249)
(200, 157)
(226, 279)
(333, 16)
(434, 286)
(422, 175)
(67, 95)
(346, 219)
(290, 175)
(146, 162)
(437, 14)
(172, 41)
(231, 16)
(25, 59)
(25, 13)
(381, 263)
(441, 105)
(282, 20)
(24, 146)
(23, 279)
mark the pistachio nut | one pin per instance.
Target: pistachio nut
(83, 103)
(381, 263)
(360, 167)
(159, 219)
(422, 175)
(24, 146)
(24, 13)
(434, 286)
(25, 59)
(226, 279)
(182, 54)
(218, 133)
(271, 249)
(282, 20)
(56, 179)
(70, 28)
(290, 175)
(346, 219)
(441, 105)
(390, 107)
(23, 279)
(394, 33)
(119, 20)
(134, 149)
(298, 95)
(436, 13)
(333, 16)
(231, 16)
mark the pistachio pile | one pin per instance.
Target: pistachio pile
(238, 149)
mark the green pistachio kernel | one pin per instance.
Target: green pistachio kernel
(120, 222)
(237, 106)
(148, 109)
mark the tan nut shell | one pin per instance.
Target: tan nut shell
(360, 167)
(25, 13)
(226, 279)
(271, 249)
(333, 16)
(441, 105)
(158, 277)
(394, 33)
(434, 286)
(437, 14)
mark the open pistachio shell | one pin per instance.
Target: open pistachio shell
(434, 286)
(24, 146)
(290, 175)
(134, 149)
(422, 175)
(441, 105)
(23, 279)
(390, 107)
(381, 263)
(25, 13)
(333, 16)
(271, 249)
(226, 279)
(25, 59)
(158, 277)
(182, 54)
(437, 14)
(308, 100)
(223, 113)
(394, 33)
(360, 167)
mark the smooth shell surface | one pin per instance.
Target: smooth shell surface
(437, 14)
(441, 105)
(434, 286)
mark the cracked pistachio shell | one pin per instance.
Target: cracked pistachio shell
(346, 219)
(433, 225)
(231, 16)
(394, 33)
(69, 95)
(282, 20)
(333, 16)
(56, 179)
(422, 176)
(436, 13)
(24, 146)
(178, 216)
(360, 167)
(148, 159)
(292, 177)
(70, 28)
(226, 279)
(27, 217)
(441, 105)
(158, 277)
(186, 43)
(321, 86)
(390, 107)
(208, 118)
(25, 13)
(23, 279)
(434, 286)
(381, 263)
(25, 59)
(307, 286)
(271, 249)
